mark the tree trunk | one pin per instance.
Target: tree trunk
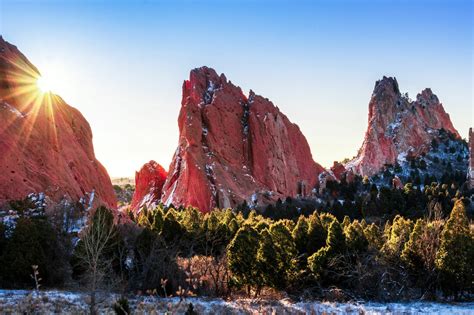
(92, 307)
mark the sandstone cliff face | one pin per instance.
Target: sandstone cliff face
(398, 127)
(45, 144)
(149, 182)
(234, 148)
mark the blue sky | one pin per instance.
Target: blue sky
(122, 63)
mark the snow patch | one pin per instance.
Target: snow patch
(14, 301)
(171, 195)
(402, 157)
(13, 110)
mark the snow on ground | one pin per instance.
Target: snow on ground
(64, 302)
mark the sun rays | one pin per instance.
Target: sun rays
(31, 94)
(44, 85)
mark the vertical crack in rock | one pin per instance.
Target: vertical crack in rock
(246, 139)
(207, 98)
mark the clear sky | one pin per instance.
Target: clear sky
(122, 63)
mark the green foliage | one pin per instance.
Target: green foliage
(335, 245)
(412, 249)
(317, 262)
(356, 241)
(22, 205)
(241, 256)
(346, 222)
(335, 240)
(171, 229)
(455, 258)
(174, 245)
(317, 234)
(397, 235)
(286, 252)
(34, 242)
(157, 223)
(266, 260)
(374, 236)
(300, 234)
(266, 252)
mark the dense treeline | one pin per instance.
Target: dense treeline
(361, 199)
(183, 252)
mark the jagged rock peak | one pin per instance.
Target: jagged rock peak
(398, 126)
(386, 83)
(233, 148)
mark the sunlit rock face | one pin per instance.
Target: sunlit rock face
(398, 127)
(234, 148)
(45, 144)
(149, 181)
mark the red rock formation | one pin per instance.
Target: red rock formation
(233, 148)
(397, 183)
(338, 170)
(148, 184)
(45, 144)
(398, 127)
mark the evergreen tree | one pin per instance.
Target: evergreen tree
(233, 227)
(411, 253)
(346, 222)
(285, 252)
(171, 227)
(316, 234)
(192, 220)
(300, 234)
(266, 260)
(33, 242)
(374, 236)
(355, 237)
(241, 257)
(335, 240)
(157, 224)
(397, 237)
(455, 258)
(335, 245)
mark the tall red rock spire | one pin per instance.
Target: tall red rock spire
(234, 148)
(45, 144)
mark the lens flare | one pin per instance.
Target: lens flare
(43, 84)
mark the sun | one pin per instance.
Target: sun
(43, 84)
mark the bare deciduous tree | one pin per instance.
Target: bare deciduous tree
(97, 241)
